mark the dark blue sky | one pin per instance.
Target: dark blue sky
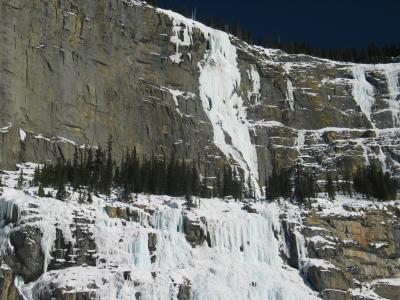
(323, 23)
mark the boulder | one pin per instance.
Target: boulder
(152, 245)
(185, 291)
(27, 258)
(369, 134)
(330, 294)
(194, 231)
(322, 278)
(249, 209)
(123, 213)
(330, 136)
(388, 289)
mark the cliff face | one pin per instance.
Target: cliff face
(86, 70)
(161, 247)
(346, 247)
(81, 71)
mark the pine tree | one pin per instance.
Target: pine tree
(40, 192)
(81, 198)
(36, 176)
(107, 173)
(346, 184)
(20, 181)
(237, 185)
(329, 187)
(75, 171)
(285, 183)
(372, 182)
(273, 185)
(219, 186)
(250, 188)
(204, 192)
(171, 176)
(88, 170)
(61, 192)
(195, 181)
(304, 186)
(98, 169)
(89, 198)
(189, 201)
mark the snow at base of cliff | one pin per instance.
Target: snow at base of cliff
(238, 259)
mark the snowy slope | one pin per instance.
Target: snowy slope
(240, 261)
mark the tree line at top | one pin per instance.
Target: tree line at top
(96, 171)
(372, 54)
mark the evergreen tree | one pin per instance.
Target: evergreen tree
(21, 179)
(329, 187)
(107, 170)
(75, 180)
(346, 184)
(219, 186)
(285, 183)
(237, 185)
(172, 176)
(195, 181)
(88, 173)
(250, 188)
(304, 185)
(61, 192)
(89, 198)
(189, 201)
(273, 186)
(373, 183)
(36, 176)
(278, 184)
(81, 198)
(40, 192)
(204, 192)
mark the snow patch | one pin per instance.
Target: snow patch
(22, 135)
(6, 129)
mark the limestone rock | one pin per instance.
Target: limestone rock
(135, 92)
(388, 290)
(185, 291)
(123, 213)
(330, 294)
(27, 258)
(194, 231)
(327, 278)
(249, 209)
(7, 289)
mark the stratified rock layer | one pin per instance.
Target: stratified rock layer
(79, 72)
